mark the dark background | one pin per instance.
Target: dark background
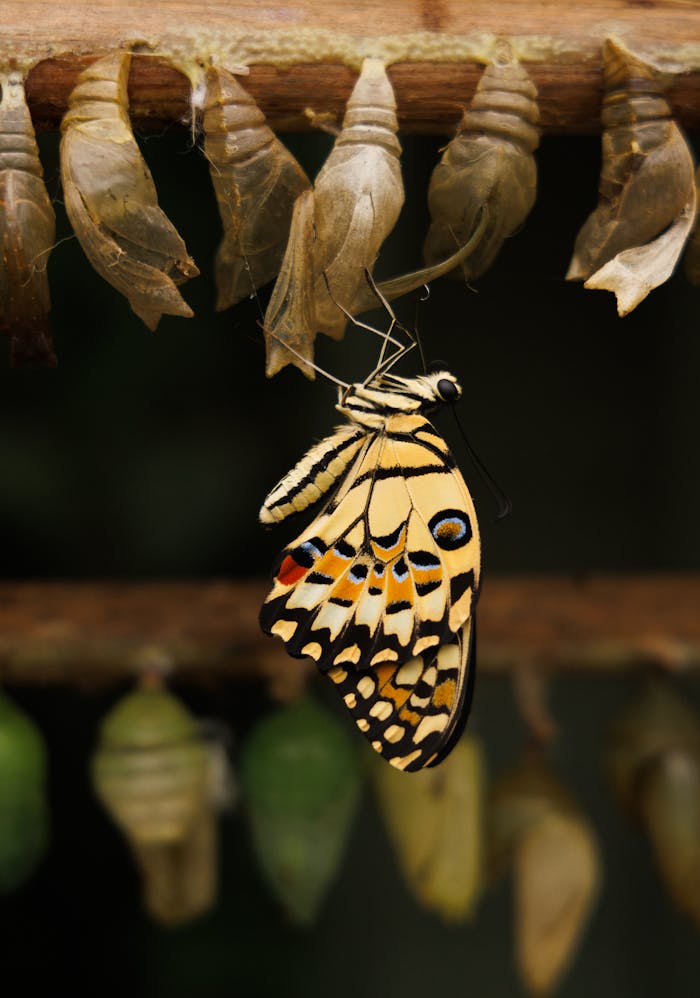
(147, 456)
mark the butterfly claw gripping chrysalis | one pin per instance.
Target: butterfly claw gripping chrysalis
(27, 232)
(380, 589)
(338, 231)
(111, 199)
(632, 241)
(256, 182)
(489, 163)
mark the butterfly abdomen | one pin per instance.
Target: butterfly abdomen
(312, 476)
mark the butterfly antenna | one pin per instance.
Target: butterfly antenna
(309, 363)
(503, 503)
(420, 301)
(356, 322)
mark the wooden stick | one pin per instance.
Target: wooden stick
(92, 633)
(306, 53)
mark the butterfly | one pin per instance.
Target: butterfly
(380, 588)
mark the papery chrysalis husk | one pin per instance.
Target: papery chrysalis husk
(646, 187)
(180, 878)
(111, 199)
(489, 162)
(669, 805)
(691, 260)
(256, 181)
(151, 768)
(536, 826)
(289, 319)
(27, 232)
(657, 721)
(300, 778)
(435, 820)
(358, 195)
(556, 881)
(24, 812)
(653, 760)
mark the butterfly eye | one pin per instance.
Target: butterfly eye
(447, 390)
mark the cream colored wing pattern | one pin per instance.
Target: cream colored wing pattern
(390, 569)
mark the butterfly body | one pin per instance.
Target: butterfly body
(380, 588)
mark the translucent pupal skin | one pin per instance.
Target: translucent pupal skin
(27, 232)
(357, 197)
(256, 181)
(111, 199)
(488, 165)
(646, 179)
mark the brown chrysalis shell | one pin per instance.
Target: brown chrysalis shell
(653, 760)
(537, 829)
(337, 232)
(27, 232)
(256, 181)
(488, 164)
(357, 197)
(691, 260)
(111, 199)
(631, 242)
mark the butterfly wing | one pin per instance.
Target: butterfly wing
(390, 568)
(413, 714)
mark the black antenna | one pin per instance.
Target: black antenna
(503, 504)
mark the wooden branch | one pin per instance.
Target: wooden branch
(91, 633)
(306, 53)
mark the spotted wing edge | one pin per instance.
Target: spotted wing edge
(413, 715)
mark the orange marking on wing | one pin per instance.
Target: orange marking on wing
(388, 554)
(410, 717)
(347, 589)
(290, 571)
(445, 694)
(331, 564)
(396, 693)
(425, 575)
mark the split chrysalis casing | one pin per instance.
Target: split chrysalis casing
(647, 200)
(256, 181)
(337, 230)
(488, 164)
(111, 199)
(27, 232)
(358, 195)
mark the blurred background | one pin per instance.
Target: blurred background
(146, 456)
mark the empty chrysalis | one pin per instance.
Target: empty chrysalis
(647, 199)
(489, 163)
(111, 199)
(256, 181)
(357, 197)
(27, 232)
(336, 233)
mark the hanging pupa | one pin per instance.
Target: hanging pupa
(632, 241)
(653, 760)
(536, 828)
(336, 233)
(435, 822)
(488, 166)
(256, 181)
(27, 232)
(300, 780)
(111, 199)
(691, 260)
(153, 773)
(24, 812)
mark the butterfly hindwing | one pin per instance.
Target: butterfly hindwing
(412, 714)
(390, 568)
